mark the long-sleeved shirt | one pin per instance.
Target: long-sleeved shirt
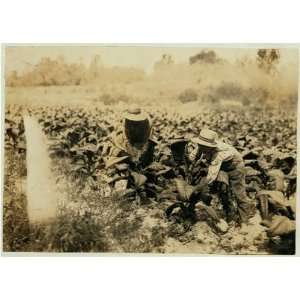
(120, 147)
(226, 157)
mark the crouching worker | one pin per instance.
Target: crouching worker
(129, 151)
(278, 214)
(224, 157)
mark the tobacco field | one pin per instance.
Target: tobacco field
(154, 214)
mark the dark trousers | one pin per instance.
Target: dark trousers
(246, 207)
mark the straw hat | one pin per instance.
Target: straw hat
(207, 138)
(136, 115)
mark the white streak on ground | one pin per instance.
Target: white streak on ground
(42, 196)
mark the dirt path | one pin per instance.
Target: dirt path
(249, 239)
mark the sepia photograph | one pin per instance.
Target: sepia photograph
(150, 149)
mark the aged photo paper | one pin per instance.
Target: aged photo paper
(131, 149)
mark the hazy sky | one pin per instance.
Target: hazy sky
(17, 57)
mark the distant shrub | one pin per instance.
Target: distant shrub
(123, 98)
(246, 101)
(188, 95)
(229, 90)
(235, 91)
(208, 57)
(107, 99)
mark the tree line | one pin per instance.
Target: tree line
(57, 72)
(49, 72)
